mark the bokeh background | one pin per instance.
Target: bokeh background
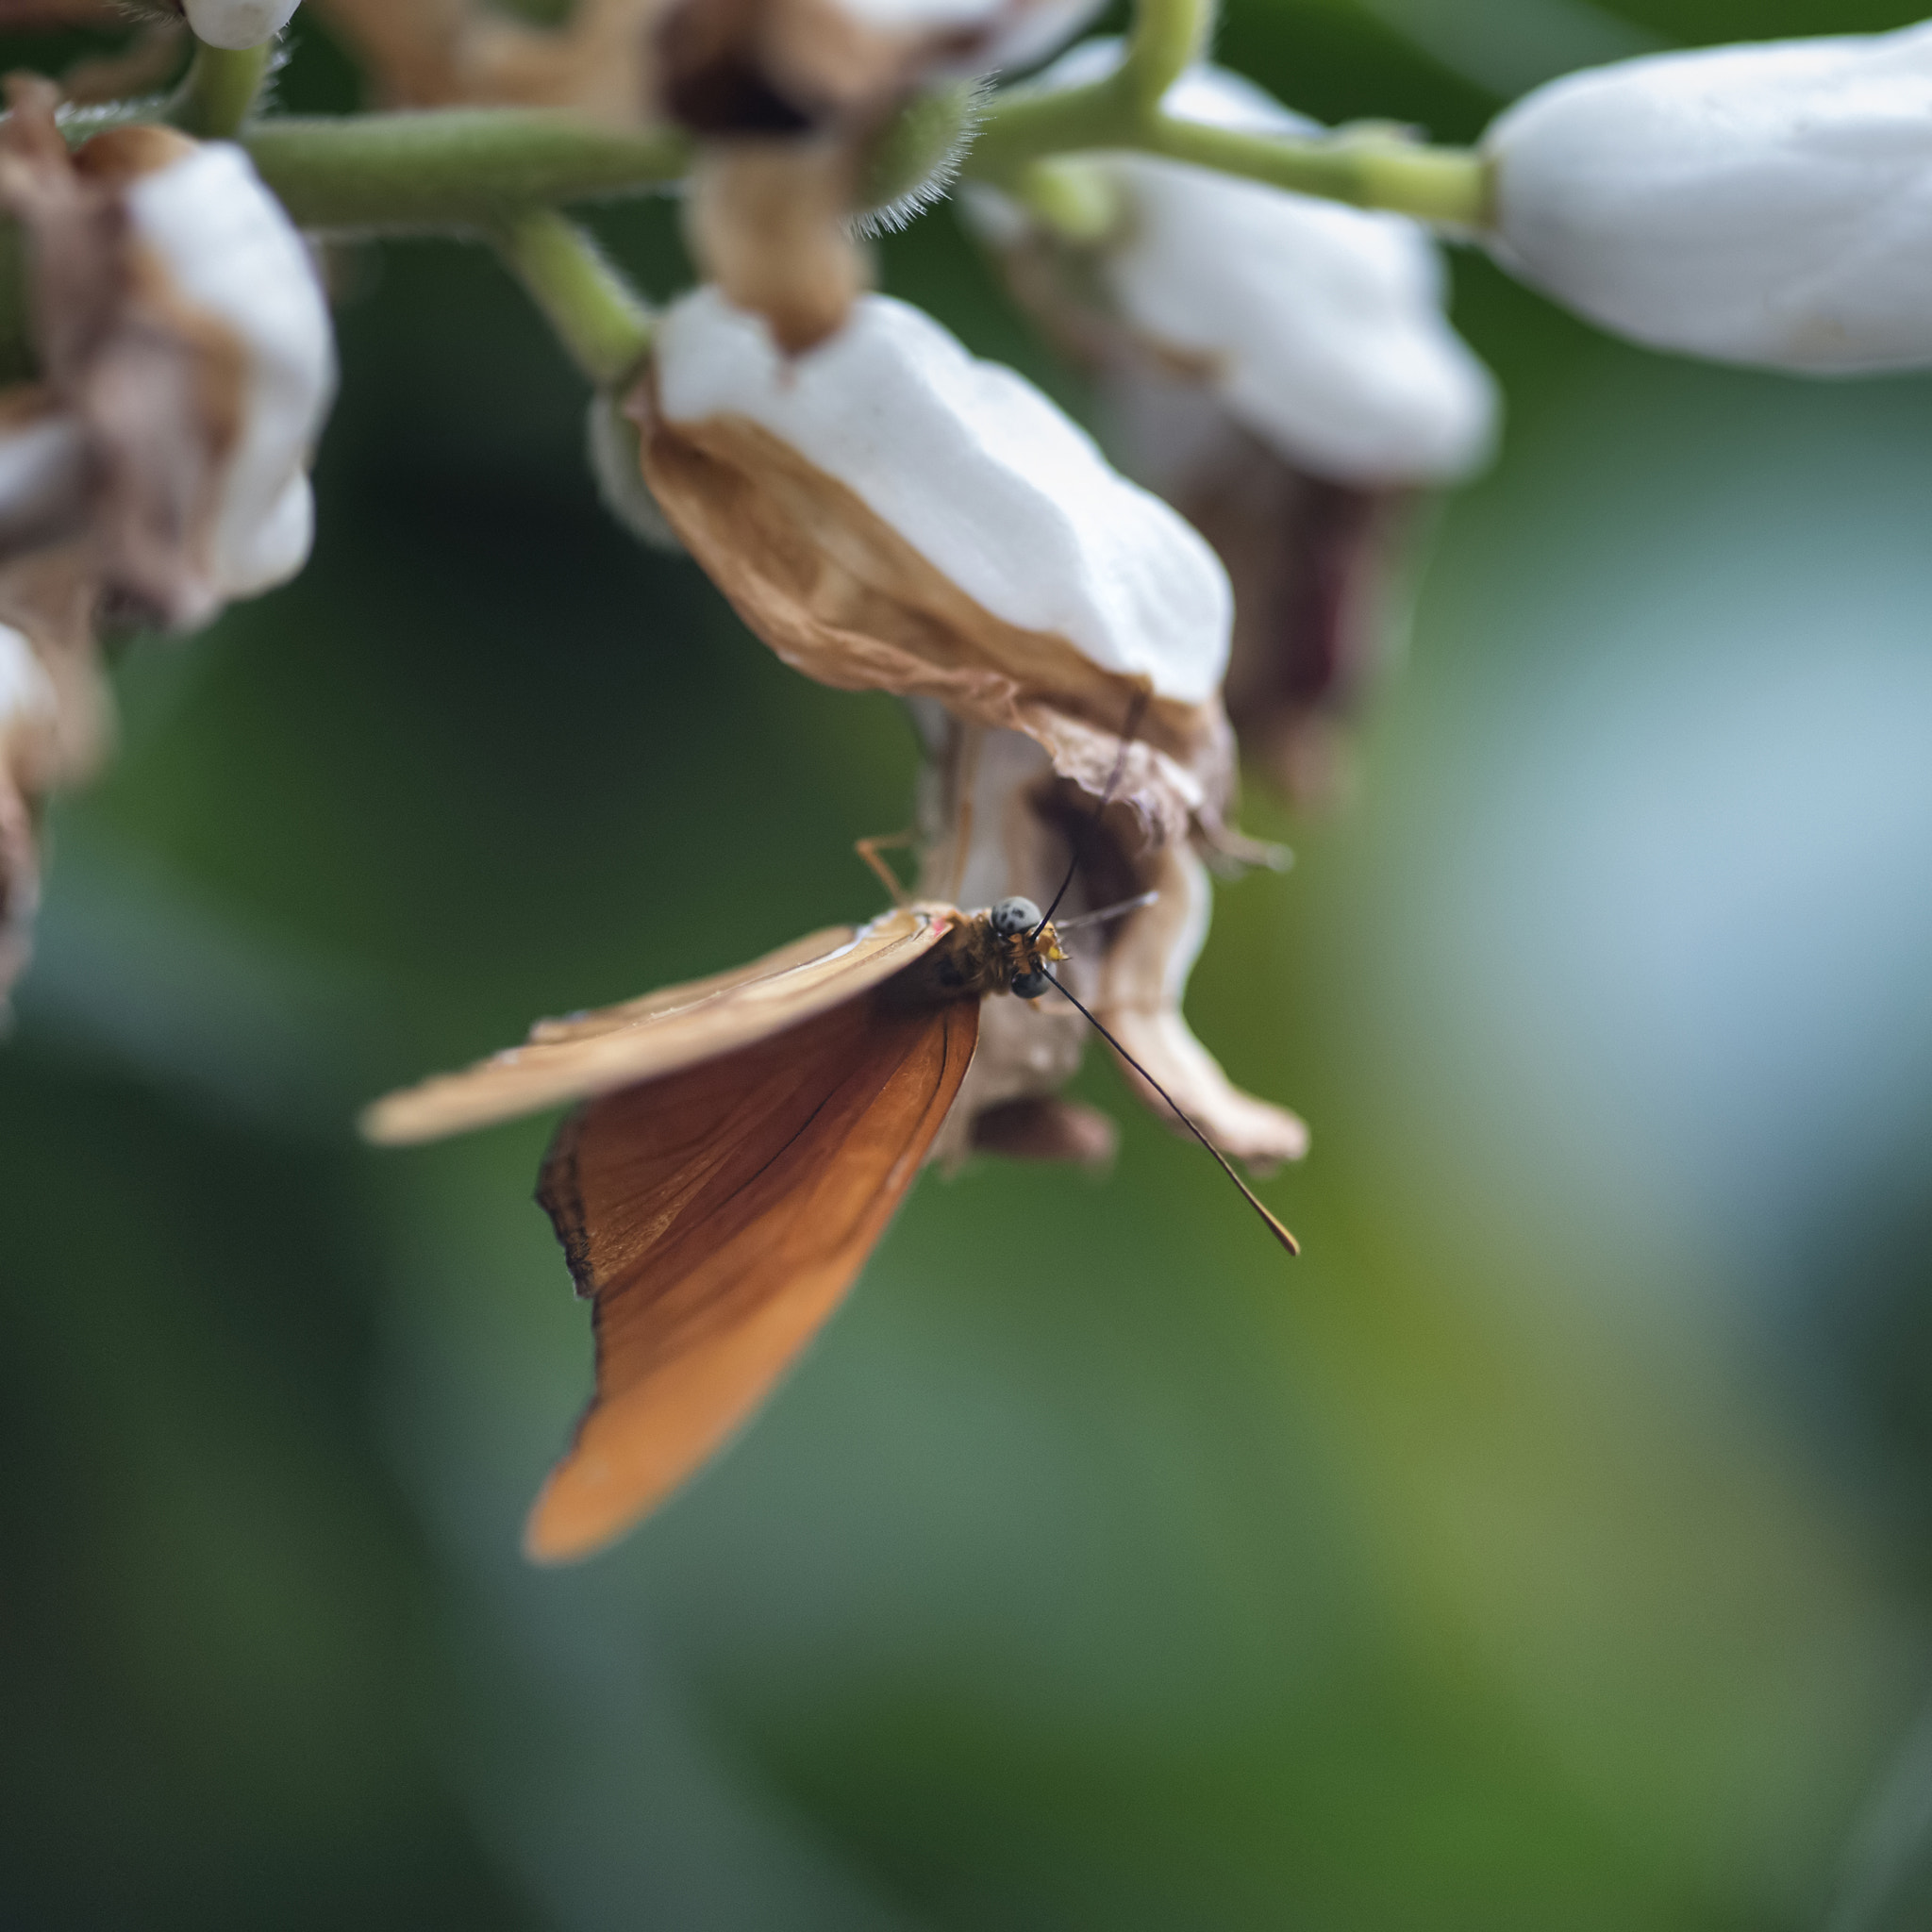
(1547, 1549)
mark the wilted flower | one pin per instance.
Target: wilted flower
(185, 364)
(1767, 204)
(993, 821)
(888, 513)
(1319, 327)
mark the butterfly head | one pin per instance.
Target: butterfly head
(1024, 944)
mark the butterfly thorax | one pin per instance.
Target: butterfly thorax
(1005, 948)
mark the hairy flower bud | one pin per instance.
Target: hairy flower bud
(1767, 204)
(238, 22)
(186, 364)
(1319, 327)
(887, 512)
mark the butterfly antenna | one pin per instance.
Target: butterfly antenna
(1274, 1226)
(1106, 912)
(1136, 712)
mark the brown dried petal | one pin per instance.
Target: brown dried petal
(49, 600)
(767, 222)
(52, 600)
(1138, 999)
(842, 597)
(1047, 1128)
(445, 53)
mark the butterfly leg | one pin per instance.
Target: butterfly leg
(869, 850)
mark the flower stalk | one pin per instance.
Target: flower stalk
(454, 167)
(602, 322)
(1366, 167)
(222, 85)
(1168, 37)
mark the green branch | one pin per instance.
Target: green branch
(219, 89)
(1166, 38)
(454, 167)
(1369, 167)
(597, 315)
(1368, 170)
(1449, 185)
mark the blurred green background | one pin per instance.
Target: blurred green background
(1548, 1549)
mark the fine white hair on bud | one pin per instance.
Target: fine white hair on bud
(232, 255)
(1768, 203)
(238, 23)
(1319, 327)
(976, 471)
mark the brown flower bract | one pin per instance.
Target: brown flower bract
(842, 596)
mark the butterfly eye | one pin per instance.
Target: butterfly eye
(1029, 986)
(1011, 917)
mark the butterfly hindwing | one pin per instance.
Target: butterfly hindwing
(715, 1217)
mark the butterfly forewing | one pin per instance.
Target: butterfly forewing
(677, 1026)
(716, 1216)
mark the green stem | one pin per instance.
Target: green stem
(1166, 38)
(1367, 169)
(597, 315)
(1449, 185)
(219, 91)
(453, 168)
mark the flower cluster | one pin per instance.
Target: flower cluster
(157, 466)
(1260, 303)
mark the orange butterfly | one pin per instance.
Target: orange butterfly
(743, 1142)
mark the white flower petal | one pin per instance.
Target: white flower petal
(232, 253)
(271, 549)
(1767, 204)
(1321, 327)
(977, 471)
(237, 24)
(27, 698)
(1323, 324)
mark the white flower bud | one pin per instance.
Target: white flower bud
(888, 513)
(977, 471)
(233, 254)
(1767, 204)
(237, 24)
(1319, 327)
